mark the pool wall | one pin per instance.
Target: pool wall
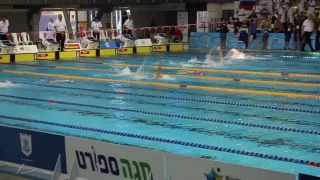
(96, 160)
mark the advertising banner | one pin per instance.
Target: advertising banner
(72, 47)
(108, 45)
(190, 168)
(100, 160)
(32, 148)
(182, 22)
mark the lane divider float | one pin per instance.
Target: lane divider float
(177, 98)
(169, 141)
(239, 123)
(206, 70)
(208, 88)
(250, 81)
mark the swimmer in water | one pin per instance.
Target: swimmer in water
(61, 81)
(183, 72)
(233, 54)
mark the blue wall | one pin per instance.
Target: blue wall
(212, 40)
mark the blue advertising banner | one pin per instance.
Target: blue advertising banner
(108, 45)
(212, 40)
(32, 148)
(308, 177)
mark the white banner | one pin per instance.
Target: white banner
(96, 160)
(25, 49)
(182, 22)
(203, 18)
(189, 168)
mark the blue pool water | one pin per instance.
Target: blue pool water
(165, 99)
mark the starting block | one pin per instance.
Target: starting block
(162, 39)
(7, 47)
(90, 43)
(128, 41)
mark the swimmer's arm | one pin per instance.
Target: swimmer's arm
(158, 75)
(220, 54)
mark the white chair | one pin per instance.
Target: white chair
(15, 39)
(103, 36)
(49, 44)
(26, 38)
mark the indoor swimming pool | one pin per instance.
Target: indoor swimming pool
(261, 111)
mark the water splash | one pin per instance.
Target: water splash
(125, 71)
(209, 58)
(194, 60)
(140, 74)
(7, 84)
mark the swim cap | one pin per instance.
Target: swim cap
(199, 72)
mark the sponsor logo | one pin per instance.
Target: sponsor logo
(84, 52)
(43, 55)
(123, 50)
(214, 175)
(0, 57)
(101, 163)
(107, 44)
(26, 145)
(157, 47)
(72, 46)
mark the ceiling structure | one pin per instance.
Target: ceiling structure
(102, 2)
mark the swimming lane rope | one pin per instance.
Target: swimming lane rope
(176, 98)
(239, 123)
(250, 81)
(206, 70)
(208, 88)
(169, 141)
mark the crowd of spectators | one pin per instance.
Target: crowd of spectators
(302, 22)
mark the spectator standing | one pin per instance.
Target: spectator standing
(95, 26)
(298, 38)
(317, 29)
(223, 34)
(241, 13)
(257, 8)
(253, 33)
(311, 6)
(288, 29)
(4, 27)
(266, 26)
(306, 30)
(290, 12)
(60, 28)
(301, 6)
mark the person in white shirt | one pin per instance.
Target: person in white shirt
(241, 13)
(290, 13)
(311, 6)
(301, 6)
(95, 26)
(60, 28)
(306, 30)
(257, 8)
(4, 25)
(50, 26)
(128, 26)
(282, 14)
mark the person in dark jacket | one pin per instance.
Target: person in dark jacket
(287, 27)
